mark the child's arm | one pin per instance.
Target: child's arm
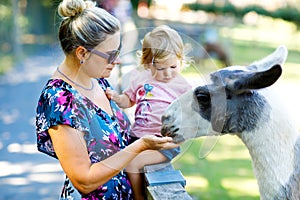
(122, 100)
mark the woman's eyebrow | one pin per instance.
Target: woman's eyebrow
(119, 48)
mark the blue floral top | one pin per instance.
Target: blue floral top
(105, 134)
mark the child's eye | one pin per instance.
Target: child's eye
(162, 69)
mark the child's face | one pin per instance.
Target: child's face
(167, 70)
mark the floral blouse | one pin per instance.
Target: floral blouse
(104, 134)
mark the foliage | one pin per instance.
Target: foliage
(287, 13)
(30, 17)
(6, 23)
(25, 26)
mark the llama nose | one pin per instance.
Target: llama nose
(166, 119)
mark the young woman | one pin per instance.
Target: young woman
(76, 122)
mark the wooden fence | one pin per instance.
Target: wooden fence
(163, 182)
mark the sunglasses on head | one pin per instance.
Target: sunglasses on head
(111, 56)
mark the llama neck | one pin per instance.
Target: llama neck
(272, 151)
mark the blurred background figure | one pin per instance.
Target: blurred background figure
(213, 48)
(122, 9)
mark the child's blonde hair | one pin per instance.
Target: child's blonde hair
(160, 44)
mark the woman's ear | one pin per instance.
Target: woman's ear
(81, 53)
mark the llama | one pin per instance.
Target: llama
(239, 101)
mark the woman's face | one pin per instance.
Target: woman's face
(104, 57)
(167, 70)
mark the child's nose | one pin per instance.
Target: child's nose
(167, 72)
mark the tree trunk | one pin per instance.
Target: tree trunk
(16, 46)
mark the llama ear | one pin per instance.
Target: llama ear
(255, 80)
(278, 57)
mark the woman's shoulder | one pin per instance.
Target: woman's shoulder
(55, 85)
(60, 103)
(56, 89)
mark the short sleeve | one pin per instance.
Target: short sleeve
(134, 81)
(130, 93)
(58, 106)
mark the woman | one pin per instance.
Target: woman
(76, 122)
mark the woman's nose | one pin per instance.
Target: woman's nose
(117, 61)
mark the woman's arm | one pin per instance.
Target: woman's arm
(71, 151)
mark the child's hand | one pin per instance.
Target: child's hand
(109, 92)
(112, 94)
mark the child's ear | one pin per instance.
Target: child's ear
(147, 66)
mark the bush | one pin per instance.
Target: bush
(286, 13)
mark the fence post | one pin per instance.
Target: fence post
(163, 182)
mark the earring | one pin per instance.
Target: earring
(81, 62)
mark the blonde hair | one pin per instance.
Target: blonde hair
(160, 44)
(84, 24)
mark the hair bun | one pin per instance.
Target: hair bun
(72, 8)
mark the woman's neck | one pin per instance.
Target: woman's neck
(71, 71)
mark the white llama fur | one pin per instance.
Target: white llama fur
(266, 129)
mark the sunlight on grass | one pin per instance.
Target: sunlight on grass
(235, 186)
(248, 187)
(234, 149)
(196, 182)
(217, 174)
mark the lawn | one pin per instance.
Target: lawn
(220, 168)
(225, 173)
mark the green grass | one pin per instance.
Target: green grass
(244, 53)
(225, 173)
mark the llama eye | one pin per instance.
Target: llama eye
(250, 93)
(202, 94)
(203, 97)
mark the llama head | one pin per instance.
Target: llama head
(232, 103)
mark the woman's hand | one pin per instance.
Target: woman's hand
(157, 143)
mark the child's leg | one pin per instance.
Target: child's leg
(135, 171)
(137, 183)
